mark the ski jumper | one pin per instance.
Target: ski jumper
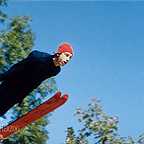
(23, 77)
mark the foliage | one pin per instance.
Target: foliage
(70, 139)
(3, 16)
(98, 128)
(16, 42)
(3, 2)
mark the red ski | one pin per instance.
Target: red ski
(48, 106)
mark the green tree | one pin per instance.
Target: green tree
(3, 16)
(98, 128)
(3, 2)
(70, 139)
(98, 125)
(16, 42)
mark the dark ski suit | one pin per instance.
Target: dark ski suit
(25, 76)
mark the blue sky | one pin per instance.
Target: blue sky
(108, 40)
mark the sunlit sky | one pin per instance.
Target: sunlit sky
(108, 62)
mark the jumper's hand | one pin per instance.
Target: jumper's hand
(1, 137)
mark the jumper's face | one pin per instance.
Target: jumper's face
(64, 58)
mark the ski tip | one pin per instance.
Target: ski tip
(57, 94)
(65, 96)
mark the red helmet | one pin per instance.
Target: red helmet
(65, 47)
